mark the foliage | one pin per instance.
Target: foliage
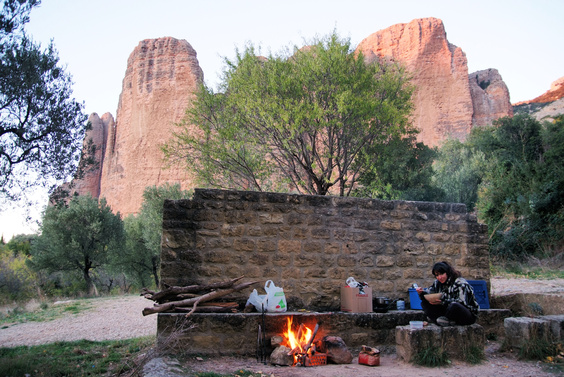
(41, 125)
(303, 121)
(400, 168)
(538, 348)
(78, 358)
(511, 173)
(79, 237)
(457, 172)
(17, 280)
(474, 355)
(431, 356)
(141, 258)
(521, 196)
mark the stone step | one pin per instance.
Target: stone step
(457, 341)
(519, 330)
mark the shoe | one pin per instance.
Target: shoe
(444, 321)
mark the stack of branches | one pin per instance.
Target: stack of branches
(193, 298)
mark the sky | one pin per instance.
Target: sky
(521, 39)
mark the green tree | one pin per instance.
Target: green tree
(303, 121)
(142, 255)
(402, 169)
(78, 237)
(457, 171)
(522, 193)
(41, 125)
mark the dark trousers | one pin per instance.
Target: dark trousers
(454, 311)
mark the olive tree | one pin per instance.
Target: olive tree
(79, 237)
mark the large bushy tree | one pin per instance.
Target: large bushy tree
(301, 121)
(522, 193)
(41, 125)
(79, 237)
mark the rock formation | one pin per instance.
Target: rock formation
(92, 159)
(161, 78)
(490, 97)
(546, 106)
(443, 98)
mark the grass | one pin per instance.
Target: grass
(431, 357)
(88, 358)
(536, 269)
(45, 312)
(80, 358)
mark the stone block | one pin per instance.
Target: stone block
(455, 340)
(520, 330)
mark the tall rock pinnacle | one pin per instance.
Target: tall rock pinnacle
(160, 81)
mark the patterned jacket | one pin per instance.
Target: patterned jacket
(459, 291)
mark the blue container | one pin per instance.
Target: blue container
(480, 292)
(414, 300)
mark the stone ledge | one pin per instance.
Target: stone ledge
(236, 333)
(455, 340)
(519, 330)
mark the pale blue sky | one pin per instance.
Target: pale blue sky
(522, 39)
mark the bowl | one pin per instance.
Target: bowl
(433, 296)
(416, 324)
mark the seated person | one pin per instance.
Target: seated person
(457, 304)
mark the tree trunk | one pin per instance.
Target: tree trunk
(91, 288)
(155, 263)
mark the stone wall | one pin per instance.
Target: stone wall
(310, 245)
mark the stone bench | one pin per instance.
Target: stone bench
(519, 330)
(455, 340)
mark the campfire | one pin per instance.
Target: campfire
(302, 348)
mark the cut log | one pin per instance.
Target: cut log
(165, 294)
(159, 308)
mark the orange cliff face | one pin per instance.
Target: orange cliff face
(160, 81)
(443, 99)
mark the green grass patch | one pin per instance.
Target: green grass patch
(80, 358)
(520, 270)
(431, 357)
(474, 355)
(538, 349)
(45, 312)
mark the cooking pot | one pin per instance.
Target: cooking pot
(382, 304)
(381, 301)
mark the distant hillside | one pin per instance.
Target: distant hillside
(546, 106)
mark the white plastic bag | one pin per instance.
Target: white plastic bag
(275, 298)
(258, 301)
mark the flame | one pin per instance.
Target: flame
(292, 336)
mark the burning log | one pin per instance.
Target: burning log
(195, 301)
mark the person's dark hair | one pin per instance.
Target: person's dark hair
(442, 267)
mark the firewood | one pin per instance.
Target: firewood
(176, 290)
(159, 308)
(209, 309)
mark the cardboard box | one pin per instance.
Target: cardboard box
(355, 302)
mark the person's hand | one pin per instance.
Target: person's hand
(436, 302)
(419, 290)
